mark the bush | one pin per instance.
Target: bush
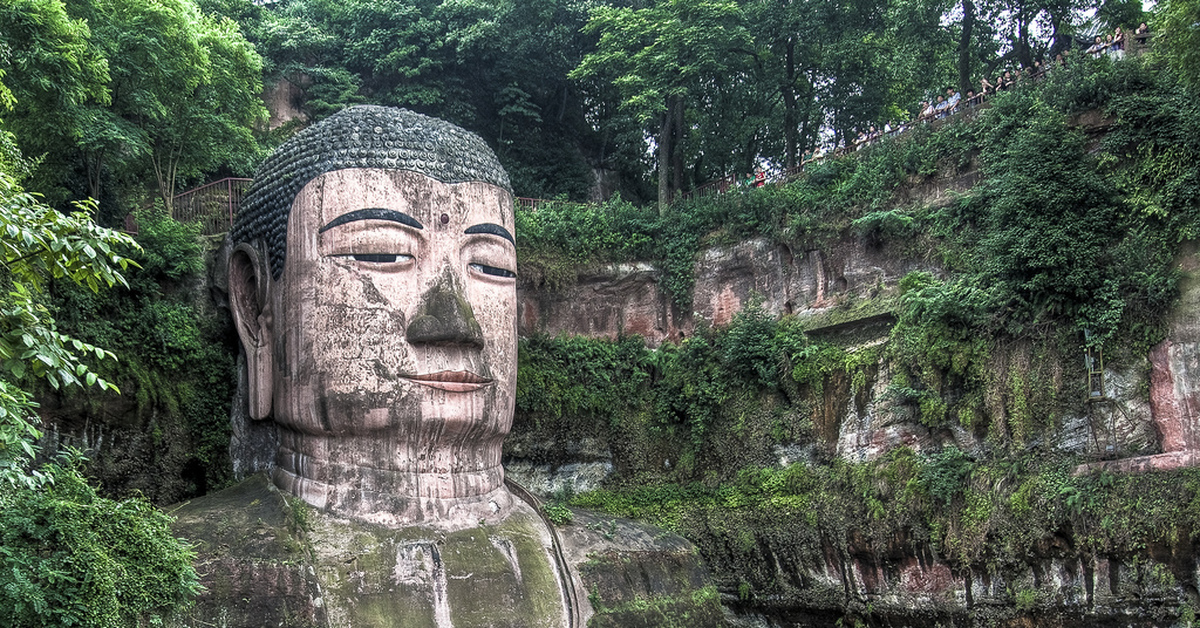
(72, 558)
(175, 364)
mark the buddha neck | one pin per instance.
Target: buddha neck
(393, 483)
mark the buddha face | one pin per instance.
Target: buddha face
(395, 315)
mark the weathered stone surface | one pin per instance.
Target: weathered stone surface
(636, 575)
(567, 479)
(1133, 430)
(267, 559)
(372, 283)
(869, 430)
(913, 587)
(252, 559)
(605, 302)
(1173, 425)
(624, 299)
(282, 100)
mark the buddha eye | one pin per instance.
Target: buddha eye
(379, 258)
(493, 271)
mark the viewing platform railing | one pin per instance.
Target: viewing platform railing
(212, 205)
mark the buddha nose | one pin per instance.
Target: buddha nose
(445, 318)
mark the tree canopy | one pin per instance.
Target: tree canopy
(128, 95)
(647, 99)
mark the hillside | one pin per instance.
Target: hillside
(862, 393)
(870, 399)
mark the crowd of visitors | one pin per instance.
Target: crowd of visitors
(1113, 44)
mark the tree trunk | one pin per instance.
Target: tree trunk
(789, 104)
(664, 161)
(1024, 54)
(677, 145)
(95, 162)
(964, 47)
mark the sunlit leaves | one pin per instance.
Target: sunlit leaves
(664, 50)
(37, 244)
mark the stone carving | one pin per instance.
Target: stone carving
(372, 282)
(373, 288)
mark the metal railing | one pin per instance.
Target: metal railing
(534, 203)
(212, 205)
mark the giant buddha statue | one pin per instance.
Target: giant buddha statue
(372, 283)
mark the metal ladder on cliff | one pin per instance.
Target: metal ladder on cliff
(1093, 360)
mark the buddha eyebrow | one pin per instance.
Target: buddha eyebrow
(491, 229)
(373, 213)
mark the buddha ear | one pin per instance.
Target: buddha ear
(249, 300)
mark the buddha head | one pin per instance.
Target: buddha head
(372, 285)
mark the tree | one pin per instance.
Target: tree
(210, 126)
(67, 556)
(185, 92)
(59, 83)
(1177, 37)
(125, 90)
(659, 58)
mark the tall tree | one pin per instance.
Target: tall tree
(185, 91)
(58, 82)
(127, 89)
(1177, 37)
(210, 126)
(659, 58)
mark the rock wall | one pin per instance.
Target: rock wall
(916, 589)
(849, 286)
(266, 559)
(1146, 419)
(1174, 385)
(624, 299)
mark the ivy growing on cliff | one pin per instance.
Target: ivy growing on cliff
(1069, 231)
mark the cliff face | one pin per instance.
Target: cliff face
(626, 299)
(1142, 418)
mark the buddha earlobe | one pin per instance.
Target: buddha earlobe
(250, 303)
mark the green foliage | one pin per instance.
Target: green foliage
(945, 474)
(1065, 234)
(125, 92)
(67, 556)
(555, 239)
(38, 245)
(57, 81)
(1177, 39)
(692, 389)
(1051, 219)
(660, 58)
(558, 514)
(171, 250)
(749, 349)
(986, 514)
(571, 376)
(175, 357)
(72, 558)
(682, 400)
